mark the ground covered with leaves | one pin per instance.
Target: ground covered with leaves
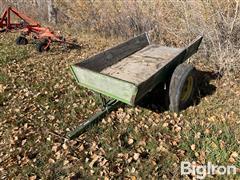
(40, 102)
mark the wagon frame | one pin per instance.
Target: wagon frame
(132, 69)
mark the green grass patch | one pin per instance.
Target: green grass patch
(217, 145)
(10, 52)
(3, 80)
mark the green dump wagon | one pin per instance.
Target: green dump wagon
(128, 71)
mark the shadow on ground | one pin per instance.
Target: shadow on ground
(157, 100)
(204, 86)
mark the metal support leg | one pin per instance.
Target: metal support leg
(110, 106)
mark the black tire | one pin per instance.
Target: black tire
(2, 30)
(182, 87)
(21, 40)
(41, 46)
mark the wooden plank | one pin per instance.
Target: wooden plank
(160, 76)
(193, 47)
(113, 55)
(159, 52)
(165, 73)
(141, 65)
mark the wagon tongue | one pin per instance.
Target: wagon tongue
(110, 106)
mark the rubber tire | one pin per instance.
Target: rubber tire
(21, 40)
(41, 45)
(178, 79)
(2, 30)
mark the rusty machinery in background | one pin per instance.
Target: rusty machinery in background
(28, 27)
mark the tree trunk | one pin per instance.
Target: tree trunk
(52, 12)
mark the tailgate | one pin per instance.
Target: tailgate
(106, 85)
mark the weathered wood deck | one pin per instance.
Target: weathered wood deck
(141, 65)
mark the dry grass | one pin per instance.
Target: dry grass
(170, 23)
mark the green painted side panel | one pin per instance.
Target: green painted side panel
(109, 86)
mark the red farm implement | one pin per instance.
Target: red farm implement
(28, 27)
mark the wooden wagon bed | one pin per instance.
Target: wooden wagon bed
(131, 69)
(141, 65)
(128, 71)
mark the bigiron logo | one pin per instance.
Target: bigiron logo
(201, 171)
